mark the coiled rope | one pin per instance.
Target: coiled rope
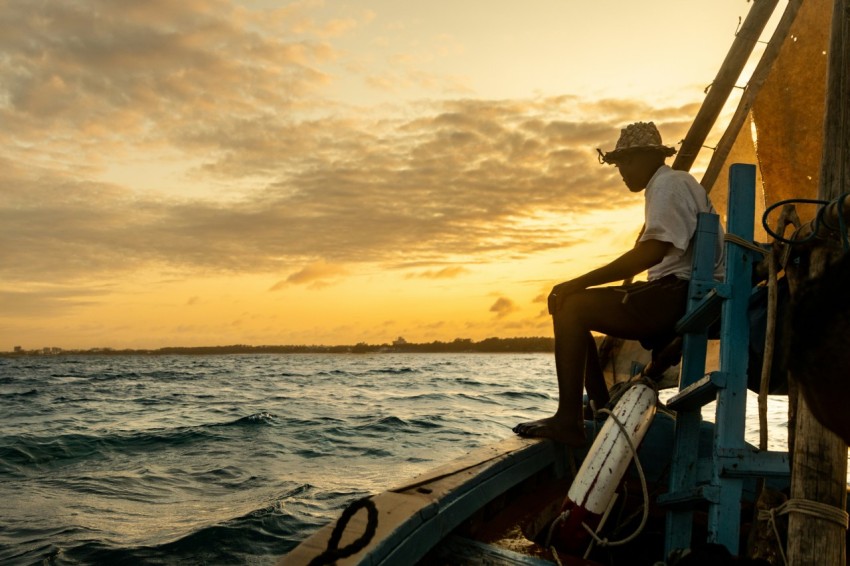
(332, 553)
(806, 507)
(820, 219)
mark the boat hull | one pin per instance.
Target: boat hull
(529, 478)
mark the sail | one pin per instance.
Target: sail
(788, 114)
(743, 151)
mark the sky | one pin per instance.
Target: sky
(216, 172)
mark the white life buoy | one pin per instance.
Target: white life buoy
(604, 467)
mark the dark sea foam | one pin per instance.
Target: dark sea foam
(234, 459)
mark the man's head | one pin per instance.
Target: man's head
(638, 155)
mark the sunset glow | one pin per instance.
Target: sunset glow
(212, 172)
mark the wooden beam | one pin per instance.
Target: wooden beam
(835, 165)
(724, 82)
(819, 469)
(757, 79)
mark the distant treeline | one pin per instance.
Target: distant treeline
(488, 345)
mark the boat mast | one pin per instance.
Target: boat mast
(738, 55)
(756, 81)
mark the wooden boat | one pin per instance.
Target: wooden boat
(495, 505)
(503, 503)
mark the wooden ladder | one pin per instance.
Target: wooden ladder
(716, 480)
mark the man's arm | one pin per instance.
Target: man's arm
(640, 258)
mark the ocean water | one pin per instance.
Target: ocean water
(234, 459)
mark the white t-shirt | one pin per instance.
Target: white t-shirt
(673, 200)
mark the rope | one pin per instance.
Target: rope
(816, 509)
(806, 507)
(769, 515)
(332, 553)
(558, 520)
(604, 541)
(820, 218)
(621, 388)
(555, 556)
(736, 239)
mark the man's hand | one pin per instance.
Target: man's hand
(561, 290)
(644, 255)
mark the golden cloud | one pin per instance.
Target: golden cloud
(220, 87)
(503, 307)
(317, 274)
(444, 273)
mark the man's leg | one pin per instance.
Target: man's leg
(594, 379)
(599, 309)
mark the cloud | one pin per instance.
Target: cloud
(444, 273)
(55, 299)
(470, 178)
(236, 94)
(149, 72)
(318, 274)
(503, 307)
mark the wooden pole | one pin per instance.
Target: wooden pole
(819, 471)
(724, 82)
(762, 70)
(786, 218)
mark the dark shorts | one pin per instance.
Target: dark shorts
(663, 299)
(659, 304)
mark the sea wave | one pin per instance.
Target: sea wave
(392, 370)
(30, 449)
(20, 393)
(233, 459)
(240, 540)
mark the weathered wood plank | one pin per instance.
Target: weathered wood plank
(820, 456)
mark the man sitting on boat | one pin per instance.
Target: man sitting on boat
(646, 311)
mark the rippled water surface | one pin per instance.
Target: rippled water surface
(234, 459)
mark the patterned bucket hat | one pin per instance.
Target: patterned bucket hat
(637, 136)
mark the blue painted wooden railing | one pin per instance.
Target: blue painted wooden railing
(716, 482)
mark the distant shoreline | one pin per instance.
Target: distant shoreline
(459, 345)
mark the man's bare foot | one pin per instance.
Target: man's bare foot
(554, 428)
